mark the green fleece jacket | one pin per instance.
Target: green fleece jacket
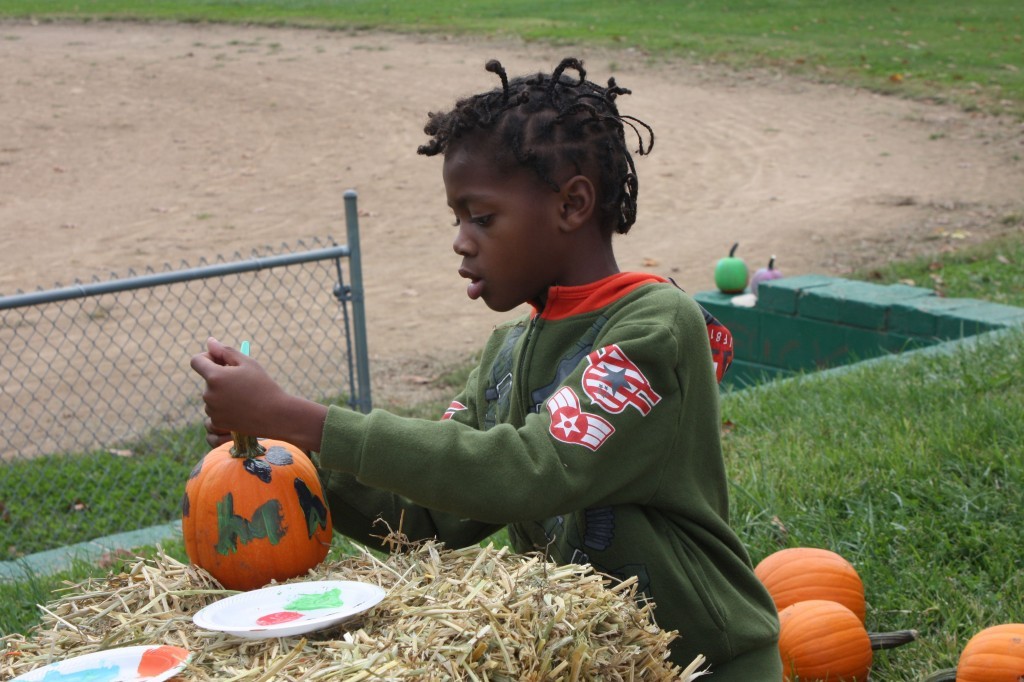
(591, 429)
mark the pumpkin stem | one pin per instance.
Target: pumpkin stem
(947, 675)
(246, 446)
(732, 251)
(771, 263)
(891, 640)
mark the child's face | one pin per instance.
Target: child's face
(509, 233)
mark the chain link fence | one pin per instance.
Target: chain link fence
(100, 414)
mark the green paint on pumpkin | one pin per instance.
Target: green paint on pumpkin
(232, 528)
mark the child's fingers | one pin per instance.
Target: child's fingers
(203, 365)
(215, 436)
(217, 354)
(214, 440)
(224, 355)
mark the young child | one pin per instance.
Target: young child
(590, 428)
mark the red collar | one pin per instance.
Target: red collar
(565, 302)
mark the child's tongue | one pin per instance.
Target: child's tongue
(475, 288)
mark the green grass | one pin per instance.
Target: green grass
(70, 510)
(993, 270)
(911, 470)
(968, 53)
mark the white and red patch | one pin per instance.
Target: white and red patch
(456, 406)
(570, 424)
(614, 382)
(721, 347)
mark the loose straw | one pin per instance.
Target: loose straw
(479, 613)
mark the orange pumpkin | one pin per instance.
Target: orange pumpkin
(253, 512)
(823, 640)
(995, 654)
(801, 573)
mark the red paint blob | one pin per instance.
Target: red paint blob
(279, 617)
(160, 659)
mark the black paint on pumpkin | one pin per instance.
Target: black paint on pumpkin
(258, 468)
(313, 508)
(278, 456)
(185, 505)
(196, 469)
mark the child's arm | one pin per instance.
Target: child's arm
(240, 396)
(579, 449)
(366, 515)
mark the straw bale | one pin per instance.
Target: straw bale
(478, 613)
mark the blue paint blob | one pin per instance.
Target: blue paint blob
(103, 674)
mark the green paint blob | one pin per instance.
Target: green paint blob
(331, 599)
(232, 529)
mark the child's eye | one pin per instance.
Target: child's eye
(481, 220)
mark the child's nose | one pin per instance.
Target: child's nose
(461, 244)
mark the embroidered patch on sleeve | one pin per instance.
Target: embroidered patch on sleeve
(456, 406)
(614, 382)
(570, 424)
(721, 348)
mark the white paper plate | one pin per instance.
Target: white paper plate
(127, 664)
(290, 609)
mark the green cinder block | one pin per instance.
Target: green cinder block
(977, 317)
(861, 344)
(781, 295)
(858, 304)
(874, 310)
(920, 316)
(802, 344)
(799, 344)
(830, 303)
(813, 322)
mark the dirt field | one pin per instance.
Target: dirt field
(125, 146)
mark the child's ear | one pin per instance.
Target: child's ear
(577, 197)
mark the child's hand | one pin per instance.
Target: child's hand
(240, 396)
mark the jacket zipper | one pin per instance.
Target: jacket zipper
(522, 387)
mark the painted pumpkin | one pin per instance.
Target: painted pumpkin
(253, 512)
(995, 654)
(823, 640)
(800, 573)
(764, 275)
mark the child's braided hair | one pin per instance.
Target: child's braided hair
(549, 122)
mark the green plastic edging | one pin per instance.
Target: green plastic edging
(62, 558)
(943, 348)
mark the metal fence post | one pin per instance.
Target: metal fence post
(363, 402)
